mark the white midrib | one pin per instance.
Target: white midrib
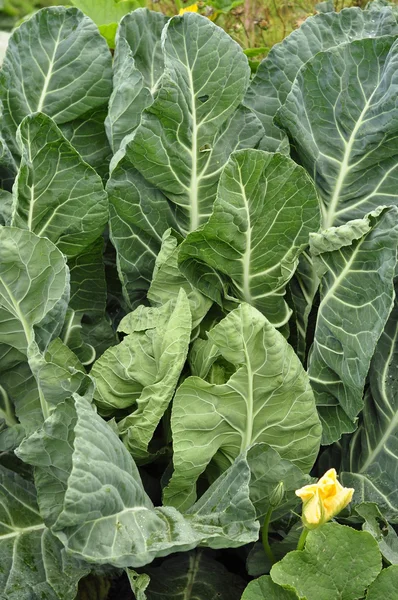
(247, 255)
(191, 575)
(247, 439)
(49, 75)
(18, 532)
(193, 188)
(393, 424)
(332, 208)
(32, 195)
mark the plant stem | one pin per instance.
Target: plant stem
(303, 537)
(264, 536)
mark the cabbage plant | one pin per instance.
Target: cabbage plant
(197, 308)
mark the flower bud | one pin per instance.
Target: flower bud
(276, 497)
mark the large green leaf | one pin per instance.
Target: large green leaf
(265, 209)
(56, 194)
(34, 288)
(192, 576)
(143, 371)
(342, 119)
(385, 585)
(371, 462)
(33, 562)
(137, 67)
(139, 216)
(267, 399)
(188, 133)
(275, 75)
(57, 63)
(337, 562)
(264, 588)
(90, 493)
(356, 263)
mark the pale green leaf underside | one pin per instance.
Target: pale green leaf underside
(101, 512)
(267, 399)
(167, 280)
(142, 373)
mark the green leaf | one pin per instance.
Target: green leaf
(276, 74)
(20, 385)
(55, 186)
(188, 133)
(34, 288)
(33, 562)
(381, 530)
(139, 584)
(385, 585)
(8, 166)
(271, 473)
(86, 311)
(265, 209)
(303, 288)
(90, 492)
(144, 370)
(264, 587)
(137, 67)
(88, 136)
(129, 97)
(5, 207)
(345, 133)
(371, 464)
(192, 575)
(56, 63)
(356, 263)
(142, 30)
(167, 280)
(139, 216)
(337, 562)
(267, 399)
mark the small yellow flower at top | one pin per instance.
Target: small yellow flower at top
(323, 500)
(192, 8)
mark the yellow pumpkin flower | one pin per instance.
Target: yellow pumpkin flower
(323, 500)
(192, 8)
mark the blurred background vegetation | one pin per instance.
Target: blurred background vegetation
(255, 24)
